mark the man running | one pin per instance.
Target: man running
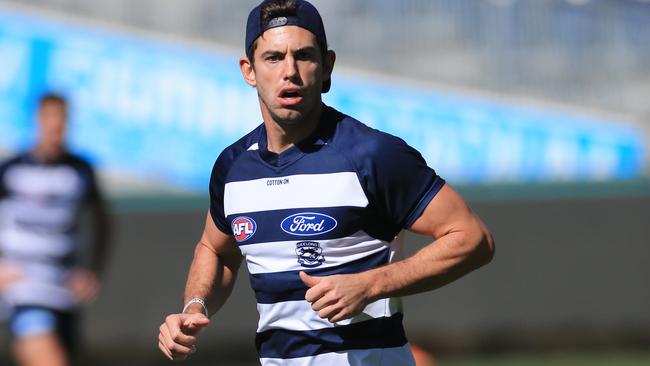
(314, 200)
(42, 194)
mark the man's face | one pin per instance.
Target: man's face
(288, 73)
(52, 121)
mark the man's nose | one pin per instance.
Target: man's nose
(290, 68)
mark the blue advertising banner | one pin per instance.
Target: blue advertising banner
(159, 110)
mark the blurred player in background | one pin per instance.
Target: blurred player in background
(314, 201)
(43, 193)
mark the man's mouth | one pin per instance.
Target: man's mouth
(290, 97)
(290, 94)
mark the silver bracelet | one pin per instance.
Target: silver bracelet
(197, 300)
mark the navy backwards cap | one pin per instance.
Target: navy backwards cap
(306, 17)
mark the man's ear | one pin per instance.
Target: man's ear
(247, 71)
(328, 64)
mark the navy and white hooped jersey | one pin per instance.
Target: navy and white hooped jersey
(39, 208)
(332, 204)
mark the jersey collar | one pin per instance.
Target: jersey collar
(312, 143)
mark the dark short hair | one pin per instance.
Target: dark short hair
(272, 9)
(50, 97)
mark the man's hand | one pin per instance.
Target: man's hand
(337, 297)
(9, 273)
(178, 333)
(84, 285)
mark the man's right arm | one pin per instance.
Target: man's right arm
(211, 278)
(214, 269)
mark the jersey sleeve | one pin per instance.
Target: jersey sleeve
(399, 182)
(217, 187)
(3, 187)
(87, 173)
(92, 194)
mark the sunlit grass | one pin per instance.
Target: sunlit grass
(606, 359)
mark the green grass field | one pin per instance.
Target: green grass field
(605, 359)
(520, 359)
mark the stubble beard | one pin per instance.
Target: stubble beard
(290, 117)
(288, 121)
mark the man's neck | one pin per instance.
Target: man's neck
(281, 136)
(44, 154)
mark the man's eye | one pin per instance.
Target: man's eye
(304, 56)
(273, 58)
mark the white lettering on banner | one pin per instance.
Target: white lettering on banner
(602, 162)
(192, 97)
(443, 150)
(561, 158)
(503, 153)
(15, 57)
(171, 95)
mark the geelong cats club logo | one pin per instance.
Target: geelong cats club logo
(243, 228)
(309, 254)
(308, 224)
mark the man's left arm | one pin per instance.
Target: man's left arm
(85, 282)
(3, 189)
(462, 243)
(101, 231)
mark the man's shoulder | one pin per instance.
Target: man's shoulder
(12, 160)
(247, 143)
(360, 141)
(76, 160)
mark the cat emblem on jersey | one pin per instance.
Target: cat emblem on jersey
(309, 254)
(243, 228)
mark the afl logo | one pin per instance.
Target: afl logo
(243, 228)
(308, 224)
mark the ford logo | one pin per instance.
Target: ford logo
(308, 224)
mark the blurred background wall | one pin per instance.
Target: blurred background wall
(590, 53)
(538, 111)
